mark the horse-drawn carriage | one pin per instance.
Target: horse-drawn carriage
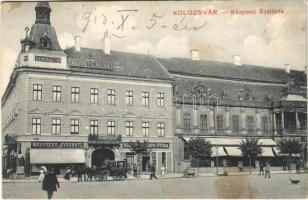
(116, 169)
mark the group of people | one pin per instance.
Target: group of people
(150, 166)
(267, 167)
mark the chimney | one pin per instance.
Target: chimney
(106, 43)
(77, 42)
(194, 53)
(237, 60)
(287, 68)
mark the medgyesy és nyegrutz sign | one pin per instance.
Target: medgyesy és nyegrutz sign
(56, 145)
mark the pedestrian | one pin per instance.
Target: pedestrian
(261, 166)
(67, 175)
(267, 170)
(135, 170)
(284, 164)
(42, 174)
(90, 173)
(50, 183)
(84, 173)
(152, 173)
(79, 174)
(297, 166)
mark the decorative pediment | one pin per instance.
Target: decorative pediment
(225, 94)
(130, 115)
(75, 113)
(146, 115)
(56, 112)
(292, 87)
(161, 116)
(199, 90)
(111, 114)
(94, 113)
(245, 93)
(35, 111)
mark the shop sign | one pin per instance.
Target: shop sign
(57, 145)
(154, 145)
(47, 59)
(104, 139)
(89, 63)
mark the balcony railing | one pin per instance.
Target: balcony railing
(104, 139)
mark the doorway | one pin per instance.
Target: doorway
(145, 162)
(100, 156)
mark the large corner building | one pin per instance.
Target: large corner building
(82, 106)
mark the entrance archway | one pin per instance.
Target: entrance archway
(99, 156)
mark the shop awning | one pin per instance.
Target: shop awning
(234, 151)
(267, 152)
(231, 141)
(57, 156)
(221, 152)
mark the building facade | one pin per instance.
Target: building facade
(83, 106)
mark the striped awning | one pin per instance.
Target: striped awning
(234, 151)
(218, 151)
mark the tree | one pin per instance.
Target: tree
(289, 147)
(140, 148)
(200, 148)
(250, 149)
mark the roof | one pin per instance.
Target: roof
(123, 63)
(229, 70)
(259, 92)
(38, 30)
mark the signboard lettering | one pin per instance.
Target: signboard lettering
(47, 59)
(89, 63)
(57, 145)
(154, 145)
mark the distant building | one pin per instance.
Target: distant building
(82, 106)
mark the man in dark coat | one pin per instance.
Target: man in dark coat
(152, 175)
(50, 183)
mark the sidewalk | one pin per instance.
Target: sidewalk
(34, 179)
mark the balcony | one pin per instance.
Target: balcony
(104, 140)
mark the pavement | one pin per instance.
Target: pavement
(34, 179)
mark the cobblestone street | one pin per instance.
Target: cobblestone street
(245, 186)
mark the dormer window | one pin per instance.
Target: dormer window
(45, 42)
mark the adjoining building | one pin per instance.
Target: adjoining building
(226, 102)
(83, 106)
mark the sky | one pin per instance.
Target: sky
(159, 29)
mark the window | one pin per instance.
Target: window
(160, 99)
(56, 93)
(26, 58)
(129, 98)
(220, 123)
(37, 92)
(93, 127)
(111, 96)
(74, 126)
(187, 119)
(44, 41)
(145, 99)
(265, 124)
(203, 122)
(145, 129)
(56, 127)
(36, 126)
(161, 129)
(93, 95)
(235, 124)
(110, 128)
(250, 124)
(75, 94)
(129, 128)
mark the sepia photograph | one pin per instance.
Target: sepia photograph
(154, 99)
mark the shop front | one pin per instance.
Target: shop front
(56, 155)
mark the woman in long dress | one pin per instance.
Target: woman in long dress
(42, 174)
